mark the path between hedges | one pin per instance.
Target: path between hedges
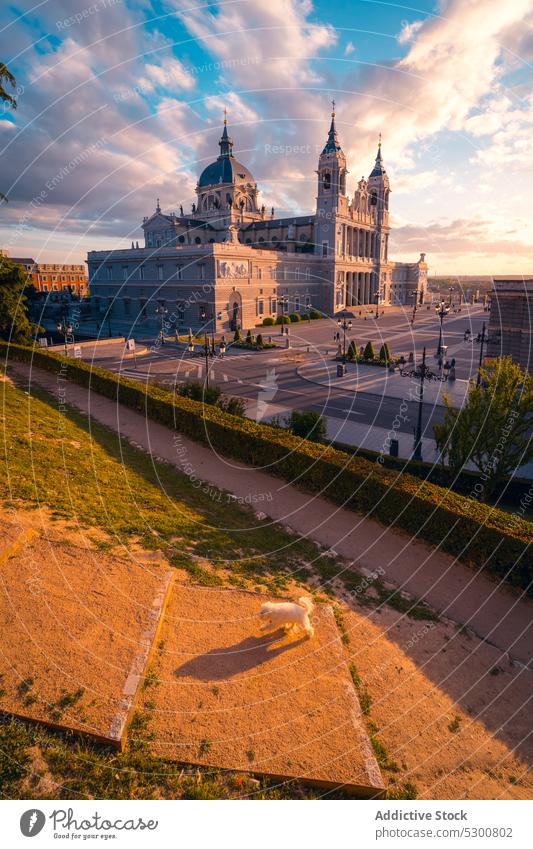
(496, 613)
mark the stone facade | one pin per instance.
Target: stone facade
(229, 263)
(511, 320)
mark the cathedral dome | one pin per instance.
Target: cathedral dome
(225, 169)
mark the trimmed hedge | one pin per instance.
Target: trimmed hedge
(476, 533)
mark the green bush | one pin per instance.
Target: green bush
(259, 341)
(294, 316)
(369, 352)
(237, 336)
(200, 392)
(384, 353)
(351, 353)
(315, 314)
(268, 321)
(475, 533)
(283, 319)
(308, 425)
(250, 338)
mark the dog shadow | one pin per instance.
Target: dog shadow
(222, 663)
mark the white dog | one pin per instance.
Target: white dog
(288, 615)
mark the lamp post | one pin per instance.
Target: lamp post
(377, 304)
(481, 346)
(345, 325)
(442, 310)
(162, 311)
(206, 352)
(450, 290)
(421, 373)
(414, 295)
(65, 328)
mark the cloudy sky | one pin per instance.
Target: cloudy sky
(121, 102)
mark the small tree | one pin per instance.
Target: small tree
(249, 338)
(259, 341)
(5, 97)
(14, 323)
(308, 425)
(233, 406)
(352, 351)
(492, 430)
(384, 353)
(369, 352)
(199, 392)
(237, 336)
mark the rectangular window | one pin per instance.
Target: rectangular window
(72, 278)
(124, 272)
(297, 273)
(141, 272)
(296, 303)
(159, 272)
(307, 273)
(202, 271)
(63, 278)
(260, 306)
(127, 306)
(108, 272)
(179, 272)
(273, 305)
(324, 248)
(180, 309)
(45, 287)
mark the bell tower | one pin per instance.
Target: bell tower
(331, 197)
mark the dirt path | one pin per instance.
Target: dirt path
(495, 613)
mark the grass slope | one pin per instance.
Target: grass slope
(85, 471)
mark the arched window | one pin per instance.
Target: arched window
(326, 181)
(198, 240)
(181, 239)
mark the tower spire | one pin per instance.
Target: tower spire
(379, 168)
(332, 145)
(225, 143)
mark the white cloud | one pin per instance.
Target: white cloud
(349, 49)
(173, 75)
(409, 31)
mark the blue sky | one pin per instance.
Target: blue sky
(121, 102)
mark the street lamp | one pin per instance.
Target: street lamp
(65, 328)
(482, 344)
(450, 290)
(421, 373)
(346, 325)
(414, 294)
(441, 310)
(162, 311)
(206, 352)
(377, 304)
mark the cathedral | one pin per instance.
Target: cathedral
(230, 263)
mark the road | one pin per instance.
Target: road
(271, 377)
